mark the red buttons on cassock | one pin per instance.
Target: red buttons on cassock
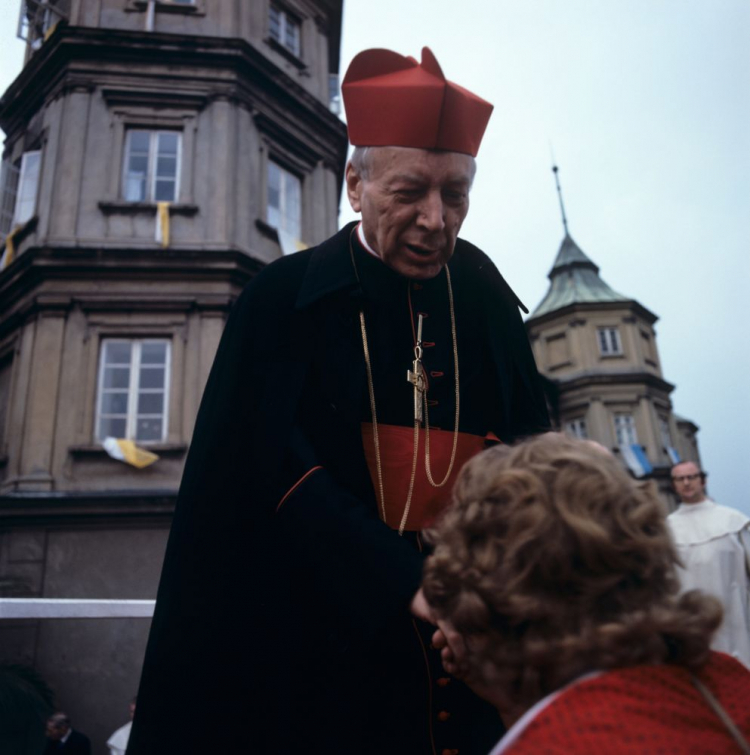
(417, 286)
(449, 752)
(443, 715)
(443, 681)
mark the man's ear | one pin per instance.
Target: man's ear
(353, 188)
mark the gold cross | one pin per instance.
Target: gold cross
(416, 375)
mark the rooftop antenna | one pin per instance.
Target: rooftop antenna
(559, 194)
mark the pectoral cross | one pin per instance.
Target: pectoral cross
(416, 375)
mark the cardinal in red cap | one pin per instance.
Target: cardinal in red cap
(352, 382)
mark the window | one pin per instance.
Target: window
(133, 390)
(20, 182)
(28, 183)
(284, 210)
(152, 166)
(11, 173)
(625, 430)
(284, 29)
(666, 436)
(577, 428)
(334, 93)
(39, 18)
(609, 341)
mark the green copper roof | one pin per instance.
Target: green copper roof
(574, 280)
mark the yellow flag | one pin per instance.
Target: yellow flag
(162, 223)
(289, 243)
(50, 31)
(10, 249)
(127, 451)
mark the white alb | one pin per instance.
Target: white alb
(713, 542)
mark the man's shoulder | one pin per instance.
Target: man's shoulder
(483, 272)
(280, 283)
(733, 517)
(699, 523)
(283, 275)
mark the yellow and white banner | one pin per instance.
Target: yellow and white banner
(288, 243)
(127, 451)
(9, 252)
(162, 223)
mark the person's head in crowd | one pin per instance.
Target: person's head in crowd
(689, 482)
(552, 562)
(416, 135)
(58, 725)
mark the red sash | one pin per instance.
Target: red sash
(396, 455)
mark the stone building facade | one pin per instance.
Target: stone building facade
(597, 349)
(157, 154)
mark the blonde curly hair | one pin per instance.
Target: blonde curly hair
(553, 561)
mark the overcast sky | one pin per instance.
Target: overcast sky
(646, 104)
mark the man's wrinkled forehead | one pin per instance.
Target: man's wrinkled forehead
(413, 165)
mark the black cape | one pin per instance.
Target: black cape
(269, 626)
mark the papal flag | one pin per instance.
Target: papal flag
(634, 456)
(161, 234)
(288, 243)
(127, 451)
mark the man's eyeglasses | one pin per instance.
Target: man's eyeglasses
(687, 478)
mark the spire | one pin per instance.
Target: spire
(574, 279)
(559, 194)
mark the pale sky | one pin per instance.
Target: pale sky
(646, 105)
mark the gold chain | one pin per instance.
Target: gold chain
(376, 438)
(427, 462)
(373, 411)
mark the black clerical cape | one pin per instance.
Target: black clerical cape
(282, 622)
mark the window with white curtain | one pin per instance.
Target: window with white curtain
(20, 185)
(133, 394)
(284, 207)
(151, 171)
(284, 29)
(625, 430)
(609, 341)
(577, 428)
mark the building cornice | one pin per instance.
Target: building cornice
(82, 59)
(130, 507)
(581, 308)
(20, 284)
(612, 379)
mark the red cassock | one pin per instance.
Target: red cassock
(644, 709)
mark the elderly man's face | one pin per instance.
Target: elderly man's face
(688, 483)
(413, 203)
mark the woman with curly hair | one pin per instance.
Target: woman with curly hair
(555, 570)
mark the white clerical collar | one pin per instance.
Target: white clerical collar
(363, 241)
(67, 735)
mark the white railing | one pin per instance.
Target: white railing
(67, 608)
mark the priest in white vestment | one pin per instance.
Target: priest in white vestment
(713, 543)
